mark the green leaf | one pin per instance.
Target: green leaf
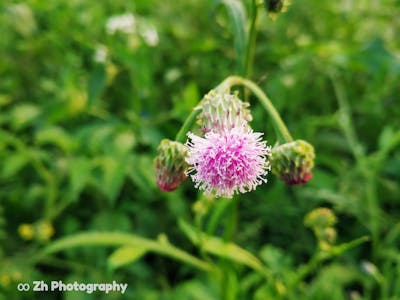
(142, 173)
(23, 115)
(184, 103)
(13, 164)
(122, 239)
(111, 176)
(218, 247)
(238, 16)
(57, 136)
(80, 173)
(125, 255)
(97, 83)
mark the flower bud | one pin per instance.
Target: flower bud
(292, 162)
(45, 231)
(26, 231)
(276, 6)
(222, 112)
(328, 235)
(320, 218)
(170, 165)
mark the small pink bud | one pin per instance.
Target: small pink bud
(170, 165)
(292, 162)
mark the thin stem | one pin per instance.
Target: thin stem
(217, 212)
(187, 125)
(348, 128)
(231, 220)
(280, 128)
(181, 135)
(229, 230)
(345, 120)
(252, 40)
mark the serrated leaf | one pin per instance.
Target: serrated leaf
(125, 255)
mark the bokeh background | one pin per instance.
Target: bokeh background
(89, 88)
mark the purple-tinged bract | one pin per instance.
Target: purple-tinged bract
(170, 165)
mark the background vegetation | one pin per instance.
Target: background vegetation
(83, 109)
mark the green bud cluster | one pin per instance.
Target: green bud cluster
(321, 221)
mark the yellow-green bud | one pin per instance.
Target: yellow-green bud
(45, 230)
(221, 112)
(329, 234)
(292, 162)
(320, 218)
(170, 165)
(26, 231)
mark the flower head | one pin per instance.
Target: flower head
(228, 162)
(220, 112)
(293, 162)
(170, 165)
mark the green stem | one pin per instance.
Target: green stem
(252, 40)
(181, 135)
(217, 212)
(191, 119)
(231, 220)
(280, 128)
(226, 265)
(348, 128)
(251, 44)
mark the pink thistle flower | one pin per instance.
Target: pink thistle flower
(228, 162)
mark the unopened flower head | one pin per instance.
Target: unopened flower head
(293, 162)
(276, 6)
(222, 112)
(170, 165)
(228, 162)
(321, 217)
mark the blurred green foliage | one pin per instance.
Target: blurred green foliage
(83, 107)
